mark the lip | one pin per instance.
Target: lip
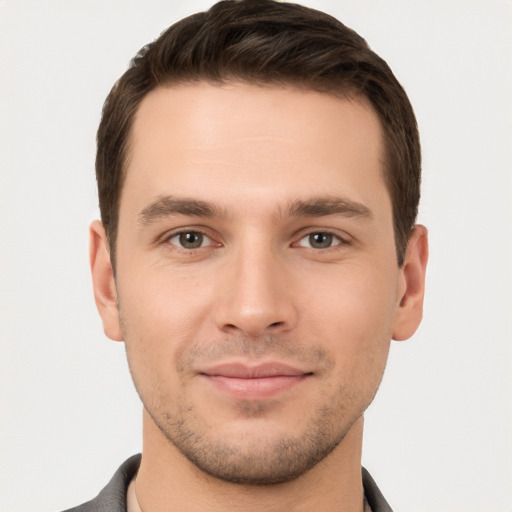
(254, 382)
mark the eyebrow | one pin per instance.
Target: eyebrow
(167, 205)
(315, 207)
(323, 206)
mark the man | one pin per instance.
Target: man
(258, 171)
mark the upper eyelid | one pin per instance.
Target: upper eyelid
(299, 235)
(178, 231)
(343, 236)
(324, 231)
(164, 241)
(340, 240)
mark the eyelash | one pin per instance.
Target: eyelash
(335, 238)
(166, 240)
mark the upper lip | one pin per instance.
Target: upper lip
(248, 371)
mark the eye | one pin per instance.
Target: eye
(190, 240)
(319, 240)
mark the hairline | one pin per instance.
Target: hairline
(339, 89)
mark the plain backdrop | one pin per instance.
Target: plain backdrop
(439, 434)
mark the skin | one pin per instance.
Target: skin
(296, 265)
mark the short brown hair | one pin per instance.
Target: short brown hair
(265, 42)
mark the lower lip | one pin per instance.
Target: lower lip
(256, 388)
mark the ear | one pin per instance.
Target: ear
(412, 285)
(105, 293)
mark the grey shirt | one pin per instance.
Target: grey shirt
(113, 497)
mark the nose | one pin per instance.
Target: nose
(257, 295)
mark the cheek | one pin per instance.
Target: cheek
(356, 301)
(164, 307)
(159, 316)
(355, 317)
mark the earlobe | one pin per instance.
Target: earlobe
(104, 285)
(412, 285)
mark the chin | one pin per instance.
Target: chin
(262, 454)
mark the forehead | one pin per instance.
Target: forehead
(195, 137)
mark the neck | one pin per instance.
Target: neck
(168, 481)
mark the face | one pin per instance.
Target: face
(257, 286)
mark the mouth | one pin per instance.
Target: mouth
(249, 382)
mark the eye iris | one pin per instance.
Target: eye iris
(191, 240)
(320, 240)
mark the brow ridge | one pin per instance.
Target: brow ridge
(167, 205)
(314, 207)
(330, 205)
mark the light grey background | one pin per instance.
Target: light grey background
(439, 435)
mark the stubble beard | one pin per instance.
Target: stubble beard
(257, 460)
(259, 457)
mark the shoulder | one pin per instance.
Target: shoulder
(375, 498)
(113, 497)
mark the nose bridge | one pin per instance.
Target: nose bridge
(256, 299)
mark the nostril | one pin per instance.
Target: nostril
(276, 324)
